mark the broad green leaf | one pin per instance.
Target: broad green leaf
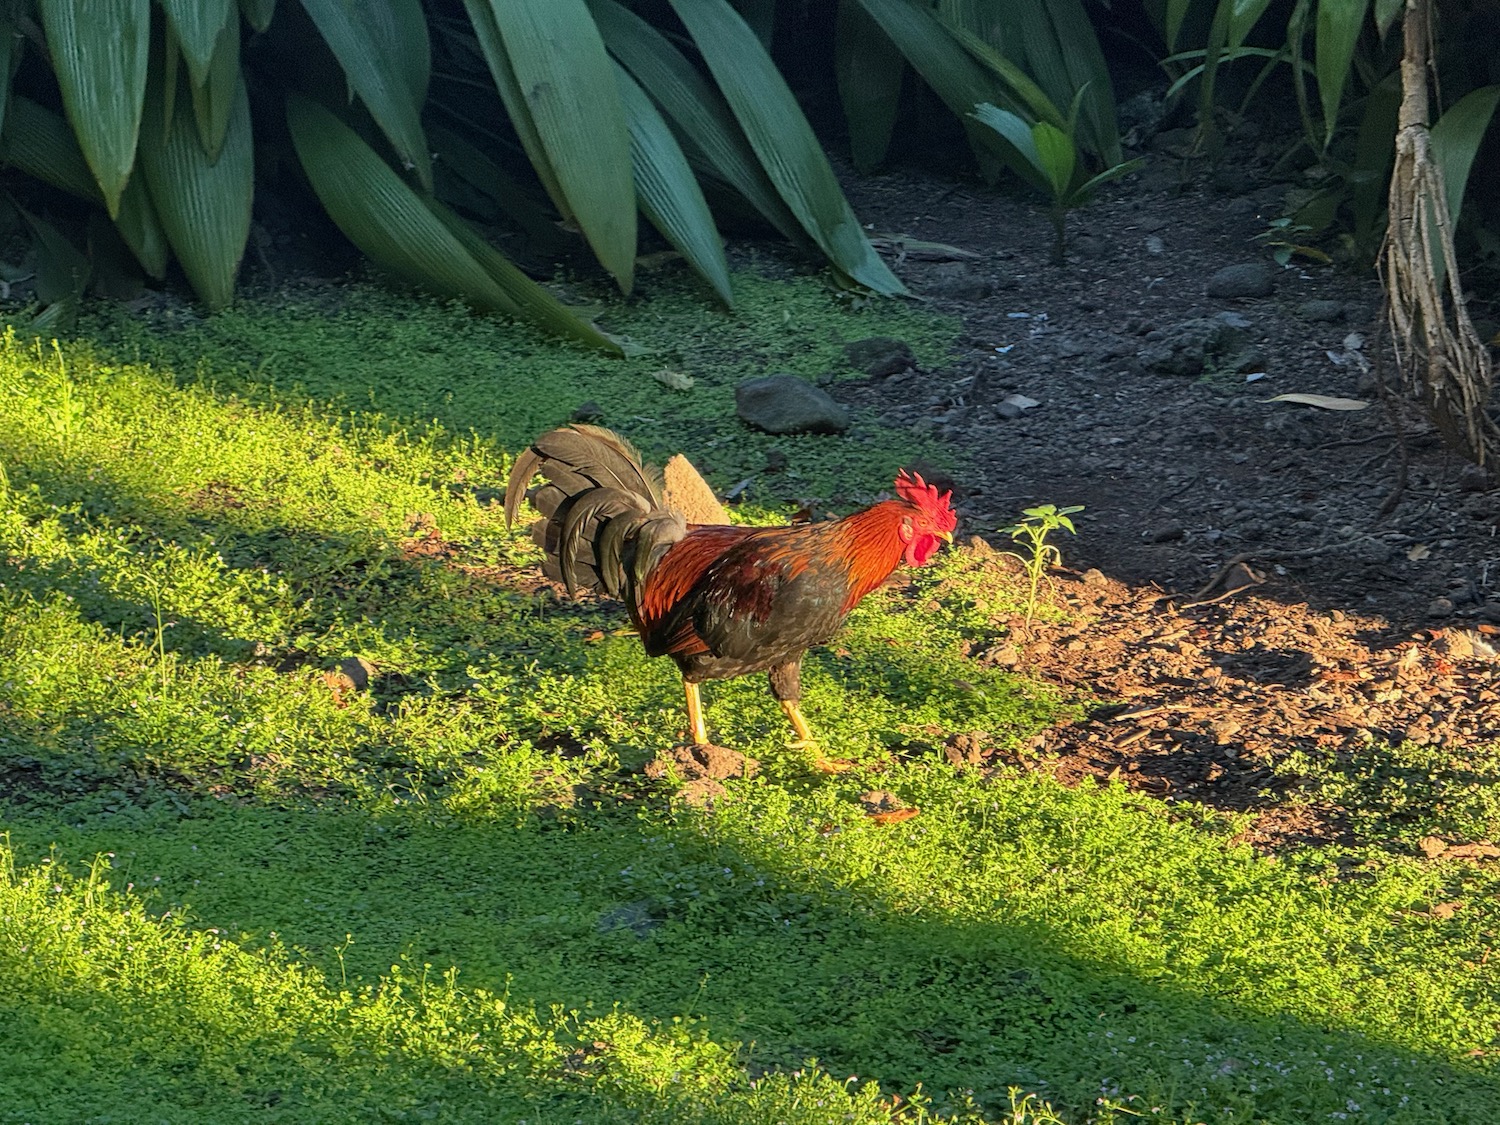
(1085, 190)
(99, 53)
(761, 17)
(782, 139)
(1058, 156)
(204, 205)
(697, 109)
(258, 13)
(1386, 12)
(474, 167)
(1063, 55)
(990, 22)
(1456, 139)
(380, 79)
(1373, 155)
(1244, 15)
(569, 87)
(492, 46)
(400, 30)
(1027, 92)
(954, 75)
(39, 143)
(869, 69)
(197, 25)
(408, 235)
(1339, 23)
(668, 191)
(11, 49)
(1176, 12)
(1018, 133)
(213, 100)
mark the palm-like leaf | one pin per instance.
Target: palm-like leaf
(572, 109)
(39, 143)
(379, 76)
(99, 51)
(869, 69)
(413, 237)
(782, 139)
(697, 109)
(668, 191)
(204, 204)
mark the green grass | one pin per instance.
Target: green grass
(230, 892)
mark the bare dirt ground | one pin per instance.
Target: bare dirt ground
(1250, 578)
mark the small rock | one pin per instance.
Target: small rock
(1244, 279)
(358, 671)
(785, 404)
(589, 411)
(1475, 478)
(1166, 533)
(1008, 410)
(1490, 611)
(684, 489)
(1093, 576)
(1439, 607)
(880, 356)
(1203, 343)
(776, 461)
(952, 281)
(1323, 311)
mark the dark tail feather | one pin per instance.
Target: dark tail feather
(597, 501)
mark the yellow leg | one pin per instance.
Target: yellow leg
(805, 736)
(695, 714)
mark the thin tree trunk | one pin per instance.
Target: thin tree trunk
(1437, 350)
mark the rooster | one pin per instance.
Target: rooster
(721, 601)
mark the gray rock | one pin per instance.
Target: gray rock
(785, 404)
(1008, 410)
(954, 281)
(1243, 279)
(589, 411)
(880, 356)
(1321, 310)
(1215, 343)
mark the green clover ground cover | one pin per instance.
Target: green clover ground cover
(233, 892)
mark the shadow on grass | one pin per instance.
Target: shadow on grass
(650, 914)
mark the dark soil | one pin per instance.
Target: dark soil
(1249, 578)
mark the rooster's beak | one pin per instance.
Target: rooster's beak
(946, 537)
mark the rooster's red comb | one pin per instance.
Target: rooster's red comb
(914, 490)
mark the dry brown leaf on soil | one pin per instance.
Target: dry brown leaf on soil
(1323, 402)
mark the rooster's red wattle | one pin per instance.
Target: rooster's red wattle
(721, 601)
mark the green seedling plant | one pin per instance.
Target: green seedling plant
(1032, 531)
(1049, 161)
(1281, 236)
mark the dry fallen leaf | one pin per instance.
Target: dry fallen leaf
(1445, 910)
(896, 816)
(1325, 402)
